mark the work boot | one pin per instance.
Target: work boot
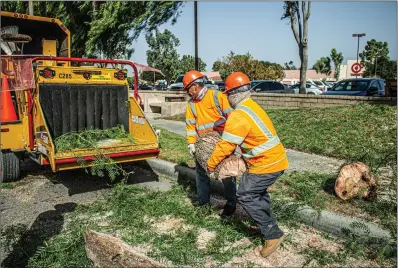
(228, 211)
(271, 245)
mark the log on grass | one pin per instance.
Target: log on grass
(232, 166)
(355, 179)
(108, 251)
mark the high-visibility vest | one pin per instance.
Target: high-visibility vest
(209, 113)
(250, 127)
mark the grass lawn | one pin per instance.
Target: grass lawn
(366, 133)
(304, 188)
(317, 191)
(173, 148)
(168, 228)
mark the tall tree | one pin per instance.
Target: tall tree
(289, 66)
(103, 28)
(323, 66)
(337, 59)
(217, 65)
(299, 25)
(374, 57)
(274, 70)
(245, 63)
(187, 63)
(162, 53)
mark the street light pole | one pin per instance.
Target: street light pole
(195, 7)
(358, 35)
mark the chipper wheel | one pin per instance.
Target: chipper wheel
(10, 167)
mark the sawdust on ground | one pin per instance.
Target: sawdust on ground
(204, 238)
(27, 191)
(169, 225)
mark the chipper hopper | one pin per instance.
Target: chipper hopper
(45, 97)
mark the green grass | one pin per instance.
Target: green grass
(173, 147)
(6, 185)
(366, 133)
(317, 191)
(89, 138)
(131, 211)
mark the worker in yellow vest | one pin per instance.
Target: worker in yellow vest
(207, 110)
(251, 129)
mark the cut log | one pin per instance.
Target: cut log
(107, 251)
(232, 166)
(355, 179)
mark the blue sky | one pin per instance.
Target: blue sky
(256, 27)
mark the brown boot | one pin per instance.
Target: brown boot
(271, 245)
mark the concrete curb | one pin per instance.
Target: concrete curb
(324, 220)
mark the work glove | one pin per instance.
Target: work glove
(191, 148)
(211, 175)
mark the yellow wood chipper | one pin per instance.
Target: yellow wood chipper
(45, 94)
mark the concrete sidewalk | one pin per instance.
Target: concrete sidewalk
(298, 161)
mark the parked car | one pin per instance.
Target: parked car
(320, 84)
(255, 82)
(221, 86)
(358, 87)
(310, 89)
(271, 87)
(177, 85)
(160, 87)
(145, 87)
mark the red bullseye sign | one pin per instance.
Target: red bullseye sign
(356, 68)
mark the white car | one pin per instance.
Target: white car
(310, 90)
(319, 84)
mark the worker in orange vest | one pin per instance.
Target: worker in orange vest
(207, 110)
(251, 129)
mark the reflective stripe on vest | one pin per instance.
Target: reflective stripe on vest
(193, 121)
(189, 133)
(257, 120)
(193, 108)
(272, 140)
(228, 110)
(209, 125)
(231, 138)
(250, 153)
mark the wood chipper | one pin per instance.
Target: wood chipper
(46, 94)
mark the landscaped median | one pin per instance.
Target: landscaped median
(165, 226)
(366, 133)
(168, 227)
(357, 133)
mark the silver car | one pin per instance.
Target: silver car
(310, 89)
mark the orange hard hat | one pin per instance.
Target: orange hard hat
(190, 77)
(235, 80)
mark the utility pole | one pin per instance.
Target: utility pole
(31, 7)
(359, 36)
(195, 8)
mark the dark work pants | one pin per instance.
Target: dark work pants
(255, 200)
(203, 187)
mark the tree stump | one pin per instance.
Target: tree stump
(232, 166)
(355, 179)
(107, 251)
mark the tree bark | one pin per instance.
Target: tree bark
(355, 179)
(232, 166)
(108, 251)
(304, 47)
